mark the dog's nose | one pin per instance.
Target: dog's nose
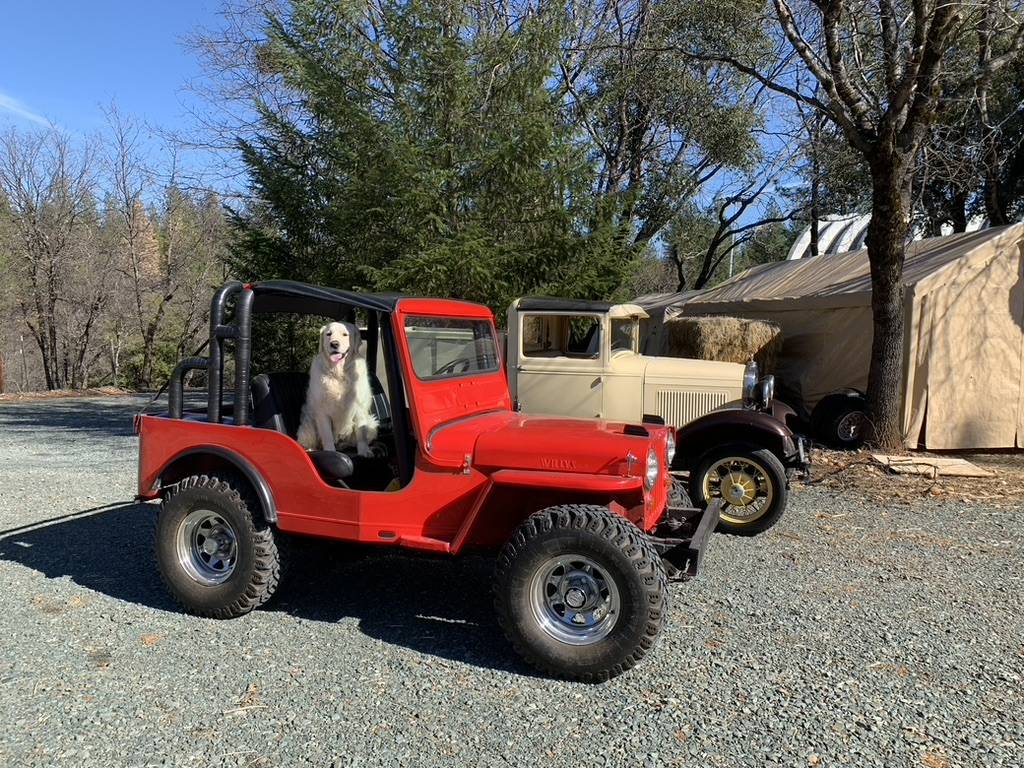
(335, 344)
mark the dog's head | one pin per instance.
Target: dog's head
(339, 343)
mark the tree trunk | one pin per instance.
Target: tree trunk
(995, 205)
(815, 213)
(958, 211)
(24, 365)
(886, 242)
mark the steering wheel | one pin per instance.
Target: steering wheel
(458, 365)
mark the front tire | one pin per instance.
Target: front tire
(580, 592)
(217, 558)
(751, 483)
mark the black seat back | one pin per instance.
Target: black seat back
(381, 408)
(277, 400)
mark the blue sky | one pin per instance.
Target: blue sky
(63, 61)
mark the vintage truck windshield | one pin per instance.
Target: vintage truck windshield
(623, 333)
(443, 347)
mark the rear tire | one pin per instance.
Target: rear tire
(839, 421)
(580, 593)
(216, 555)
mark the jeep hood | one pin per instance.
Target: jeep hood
(510, 440)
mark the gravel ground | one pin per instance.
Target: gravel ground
(851, 634)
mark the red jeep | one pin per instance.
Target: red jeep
(577, 510)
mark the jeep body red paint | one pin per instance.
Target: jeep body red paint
(505, 450)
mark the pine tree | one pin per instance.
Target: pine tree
(424, 152)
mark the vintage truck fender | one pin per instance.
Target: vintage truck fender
(733, 425)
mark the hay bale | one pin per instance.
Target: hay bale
(728, 339)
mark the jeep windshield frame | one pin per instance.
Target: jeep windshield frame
(432, 332)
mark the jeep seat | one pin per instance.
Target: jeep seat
(277, 400)
(334, 466)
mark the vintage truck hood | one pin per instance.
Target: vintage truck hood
(667, 371)
(510, 440)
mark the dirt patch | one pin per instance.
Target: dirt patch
(59, 394)
(855, 472)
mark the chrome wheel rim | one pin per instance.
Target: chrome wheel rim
(207, 547)
(851, 426)
(744, 487)
(574, 599)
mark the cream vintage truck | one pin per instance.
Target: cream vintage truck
(582, 358)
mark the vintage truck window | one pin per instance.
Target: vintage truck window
(623, 331)
(442, 347)
(576, 336)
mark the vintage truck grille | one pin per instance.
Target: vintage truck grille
(680, 407)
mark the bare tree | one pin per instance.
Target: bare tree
(733, 219)
(136, 255)
(661, 127)
(47, 183)
(166, 249)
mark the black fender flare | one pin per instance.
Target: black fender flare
(733, 425)
(197, 459)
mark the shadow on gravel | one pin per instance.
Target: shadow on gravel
(107, 549)
(88, 417)
(440, 607)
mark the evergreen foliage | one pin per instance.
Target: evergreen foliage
(425, 153)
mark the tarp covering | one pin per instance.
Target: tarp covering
(964, 336)
(659, 308)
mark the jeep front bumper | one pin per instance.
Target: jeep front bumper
(682, 538)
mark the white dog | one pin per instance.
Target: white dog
(338, 401)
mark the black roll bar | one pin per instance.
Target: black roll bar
(243, 354)
(218, 332)
(175, 397)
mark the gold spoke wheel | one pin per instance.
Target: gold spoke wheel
(743, 484)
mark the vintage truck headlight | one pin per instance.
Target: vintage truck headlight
(750, 376)
(670, 453)
(765, 391)
(653, 470)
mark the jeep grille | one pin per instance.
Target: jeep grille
(680, 407)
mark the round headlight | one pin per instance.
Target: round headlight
(670, 454)
(652, 470)
(750, 376)
(765, 391)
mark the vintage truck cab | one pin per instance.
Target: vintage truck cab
(577, 511)
(582, 358)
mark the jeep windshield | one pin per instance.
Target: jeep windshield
(443, 347)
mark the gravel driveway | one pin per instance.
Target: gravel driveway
(850, 634)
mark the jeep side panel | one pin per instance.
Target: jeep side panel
(436, 511)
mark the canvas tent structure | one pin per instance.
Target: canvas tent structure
(964, 337)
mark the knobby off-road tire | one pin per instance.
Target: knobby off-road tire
(216, 555)
(750, 481)
(620, 600)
